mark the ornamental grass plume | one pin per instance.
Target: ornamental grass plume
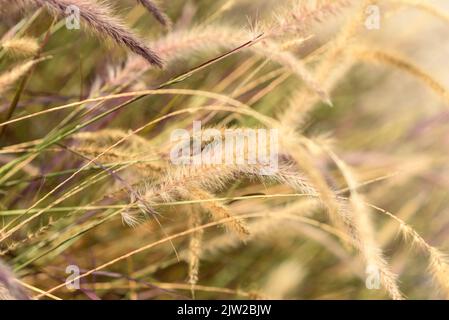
(23, 46)
(100, 20)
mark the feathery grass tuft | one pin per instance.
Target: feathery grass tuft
(104, 23)
(7, 79)
(24, 46)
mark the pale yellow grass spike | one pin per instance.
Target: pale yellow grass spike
(401, 63)
(368, 245)
(142, 160)
(219, 211)
(7, 79)
(195, 247)
(95, 142)
(438, 263)
(182, 44)
(24, 46)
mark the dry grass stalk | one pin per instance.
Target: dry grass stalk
(303, 166)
